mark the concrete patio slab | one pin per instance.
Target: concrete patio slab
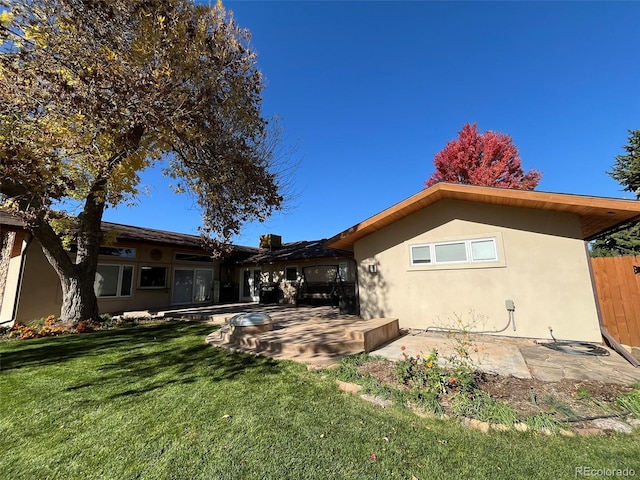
(486, 355)
(521, 358)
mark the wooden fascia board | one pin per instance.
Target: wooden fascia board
(588, 208)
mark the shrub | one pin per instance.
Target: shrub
(43, 327)
(83, 327)
(422, 373)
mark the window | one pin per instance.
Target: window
(420, 254)
(291, 274)
(118, 252)
(113, 280)
(192, 257)
(451, 252)
(343, 271)
(153, 277)
(465, 251)
(192, 285)
(484, 250)
(110, 251)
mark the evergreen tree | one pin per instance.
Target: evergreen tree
(626, 170)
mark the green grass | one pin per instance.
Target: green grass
(156, 402)
(631, 401)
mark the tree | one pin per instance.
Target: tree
(626, 170)
(95, 91)
(489, 159)
(625, 241)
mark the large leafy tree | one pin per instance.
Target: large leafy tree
(489, 159)
(626, 170)
(95, 91)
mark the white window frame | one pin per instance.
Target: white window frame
(468, 252)
(477, 240)
(121, 268)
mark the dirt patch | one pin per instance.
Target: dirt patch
(565, 400)
(382, 371)
(577, 402)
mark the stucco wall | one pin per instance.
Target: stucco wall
(41, 294)
(542, 266)
(13, 261)
(6, 246)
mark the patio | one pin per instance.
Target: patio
(519, 357)
(310, 334)
(321, 335)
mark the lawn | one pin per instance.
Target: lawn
(155, 401)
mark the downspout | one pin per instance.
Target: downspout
(605, 334)
(23, 256)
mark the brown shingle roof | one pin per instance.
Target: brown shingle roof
(141, 234)
(303, 250)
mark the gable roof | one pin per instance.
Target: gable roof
(597, 214)
(141, 234)
(303, 250)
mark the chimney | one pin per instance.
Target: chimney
(270, 241)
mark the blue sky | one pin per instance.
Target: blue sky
(370, 91)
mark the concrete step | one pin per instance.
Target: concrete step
(333, 346)
(312, 339)
(373, 333)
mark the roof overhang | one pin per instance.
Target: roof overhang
(129, 233)
(597, 214)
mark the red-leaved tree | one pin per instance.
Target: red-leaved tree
(489, 159)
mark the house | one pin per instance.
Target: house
(491, 260)
(144, 269)
(300, 272)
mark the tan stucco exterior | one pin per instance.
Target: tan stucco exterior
(12, 274)
(542, 266)
(37, 291)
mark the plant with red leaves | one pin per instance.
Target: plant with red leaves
(489, 159)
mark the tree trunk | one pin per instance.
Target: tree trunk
(79, 300)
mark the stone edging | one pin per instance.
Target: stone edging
(601, 427)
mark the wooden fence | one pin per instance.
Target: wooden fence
(618, 290)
